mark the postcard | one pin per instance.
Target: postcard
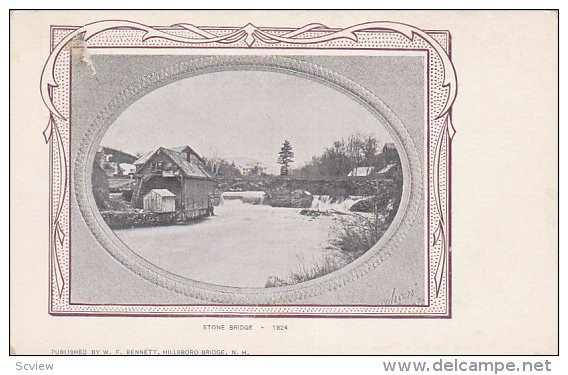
(239, 182)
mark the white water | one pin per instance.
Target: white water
(326, 203)
(320, 202)
(253, 197)
(242, 245)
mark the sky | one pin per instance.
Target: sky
(235, 114)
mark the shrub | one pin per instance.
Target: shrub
(359, 233)
(331, 262)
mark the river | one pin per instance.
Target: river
(241, 245)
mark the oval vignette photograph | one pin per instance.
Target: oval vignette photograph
(248, 178)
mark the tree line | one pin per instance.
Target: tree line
(219, 167)
(358, 150)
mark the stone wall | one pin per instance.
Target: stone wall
(141, 218)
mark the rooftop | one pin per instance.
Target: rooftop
(162, 192)
(188, 168)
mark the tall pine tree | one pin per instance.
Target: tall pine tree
(285, 157)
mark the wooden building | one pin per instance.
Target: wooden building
(160, 200)
(180, 171)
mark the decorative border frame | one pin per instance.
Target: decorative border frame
(55, 86)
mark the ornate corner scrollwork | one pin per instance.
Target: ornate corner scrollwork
(249, 34)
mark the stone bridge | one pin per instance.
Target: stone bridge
(284, 188)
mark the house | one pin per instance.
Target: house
(115, 162)
(179, 170)
(126, 169)
(187, 152)
(361, 172)
(386, 164)
(249, 166)
(160, 200)
(390, 154)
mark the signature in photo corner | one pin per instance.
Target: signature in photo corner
(408, 295)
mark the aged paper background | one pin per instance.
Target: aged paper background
(504, 200)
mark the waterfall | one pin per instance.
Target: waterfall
(251, 197)
(327, 203)
(321, 202)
